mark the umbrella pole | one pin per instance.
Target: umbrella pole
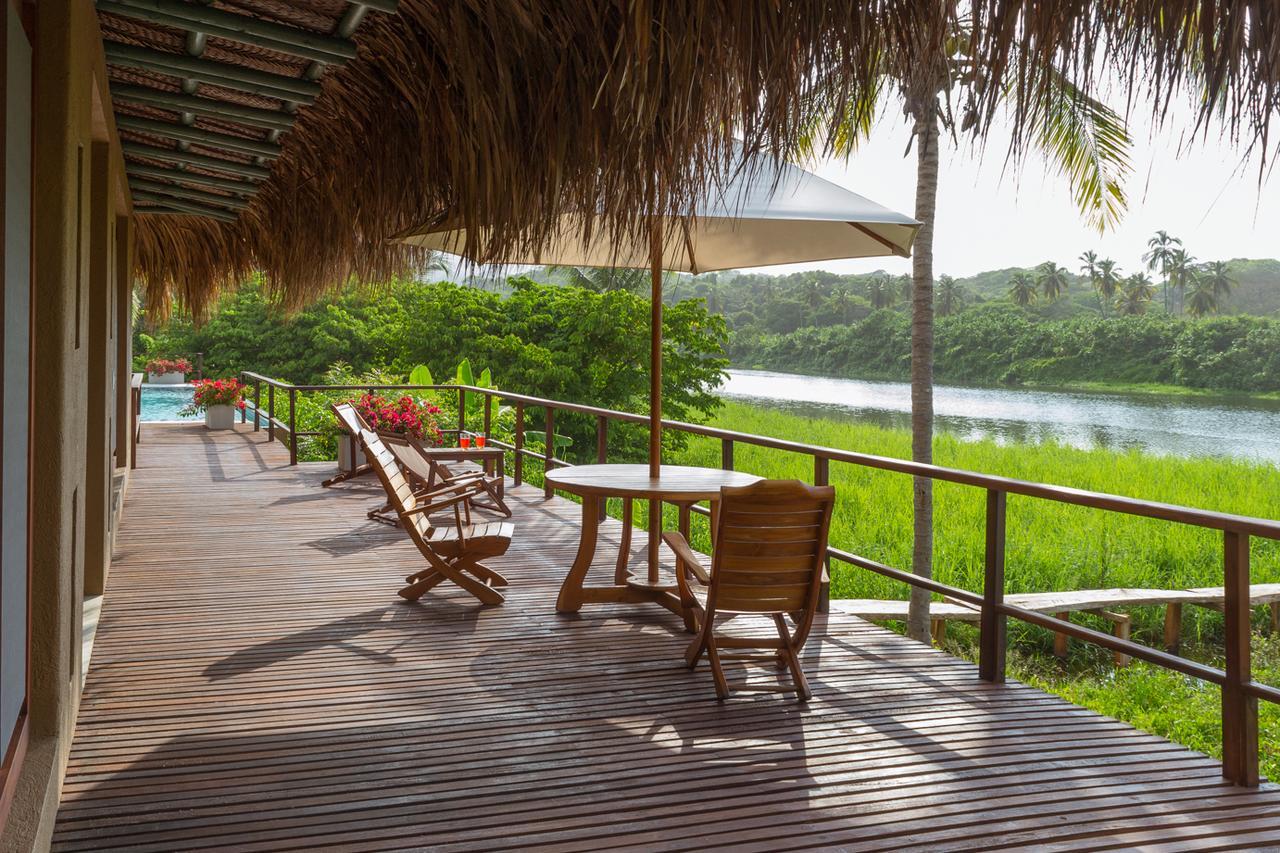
(655, 392)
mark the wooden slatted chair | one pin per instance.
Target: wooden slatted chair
(770, 544)
(415, 459)
(452, 553)
(410, 463)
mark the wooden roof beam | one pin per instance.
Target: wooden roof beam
(240, 28)
(198, 135)
(221, 74)
(190, 208)
(187, 193)
(187, 177)
(230, 167)
(183, 103)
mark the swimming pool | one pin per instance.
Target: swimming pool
(162, 402)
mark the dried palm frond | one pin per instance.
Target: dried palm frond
(502, 115)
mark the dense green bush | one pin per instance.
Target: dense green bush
(996, 344)
(565, 343)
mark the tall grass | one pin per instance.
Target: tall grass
(1050, 546)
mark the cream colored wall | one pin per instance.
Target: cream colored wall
(69, 336)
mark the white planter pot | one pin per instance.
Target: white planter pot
(344, 454)
(172, 378)
(220, 417)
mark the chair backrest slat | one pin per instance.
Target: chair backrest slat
(770, 546)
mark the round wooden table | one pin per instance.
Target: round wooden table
(676, 484)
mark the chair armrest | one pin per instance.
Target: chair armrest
(435, 506)
(685, 554)
(451, 488)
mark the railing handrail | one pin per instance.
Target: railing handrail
(1211, 519)
(1239, 692)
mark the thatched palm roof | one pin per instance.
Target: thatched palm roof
(507, 113)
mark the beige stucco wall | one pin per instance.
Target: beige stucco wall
(70, 77)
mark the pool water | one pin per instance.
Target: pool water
(162, 402)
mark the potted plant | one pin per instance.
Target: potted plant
(168, 371)
(219, 399)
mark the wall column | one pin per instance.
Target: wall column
(98, 414)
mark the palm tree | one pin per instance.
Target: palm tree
(1081, 137)
(881, 292)
(602, 279)
(842, 300)
(1107, 284)
(951, 295)
(1022, 289)
(1052, 279)
(1182, 272)
(1135, 294)
(1219, 278)
(1089, 269)
(1159, 254)
(1209, 285)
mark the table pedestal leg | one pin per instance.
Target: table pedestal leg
(570, 599)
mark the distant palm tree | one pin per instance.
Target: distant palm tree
(1209, 286)
(842, 301)
(1182, 273)
(1052, 280)
(1107, 284)
(1089, 269)
(602, 279)
(1135, 294)
(1022, 289)
(882, 292)
(1159, 254)
(951, 295)
(813, 294)
(1219, 278)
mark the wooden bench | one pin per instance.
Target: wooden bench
(1100, 602)
(877, 610)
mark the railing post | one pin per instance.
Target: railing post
(488, 414)
(992, 640)
(602, 454)
(257, 405)
(550, 451)
(726, 454)
(821, 477)
(519, 443)
(1239, 708)
(293, 426)
(271, 412)
(462, 411)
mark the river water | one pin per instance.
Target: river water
(1241, 427)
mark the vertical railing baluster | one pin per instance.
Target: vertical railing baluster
(257, 405)
(726, 454)
(488, 414)
(293, 426)
(519, 442)
(549, 453)
(1239, 708)
(271, 412)
(602, 454)
(462, 411)
(821, 477)
(991, 651)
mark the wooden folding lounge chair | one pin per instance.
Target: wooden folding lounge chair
(452, 553)
(770, 545)
(353, 423)
(427, 472)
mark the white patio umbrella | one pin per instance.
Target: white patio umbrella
(770, 213)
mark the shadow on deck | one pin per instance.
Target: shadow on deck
(256, 684)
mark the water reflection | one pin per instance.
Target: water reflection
(1182, 426)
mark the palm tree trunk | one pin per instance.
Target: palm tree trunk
(926, 128)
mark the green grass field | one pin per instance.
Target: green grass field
(1051, 547)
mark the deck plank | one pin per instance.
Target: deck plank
(255, 684)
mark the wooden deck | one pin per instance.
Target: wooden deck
(256, 684)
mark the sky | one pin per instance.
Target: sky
(1202, 192)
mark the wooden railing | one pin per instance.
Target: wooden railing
(1240, 693)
